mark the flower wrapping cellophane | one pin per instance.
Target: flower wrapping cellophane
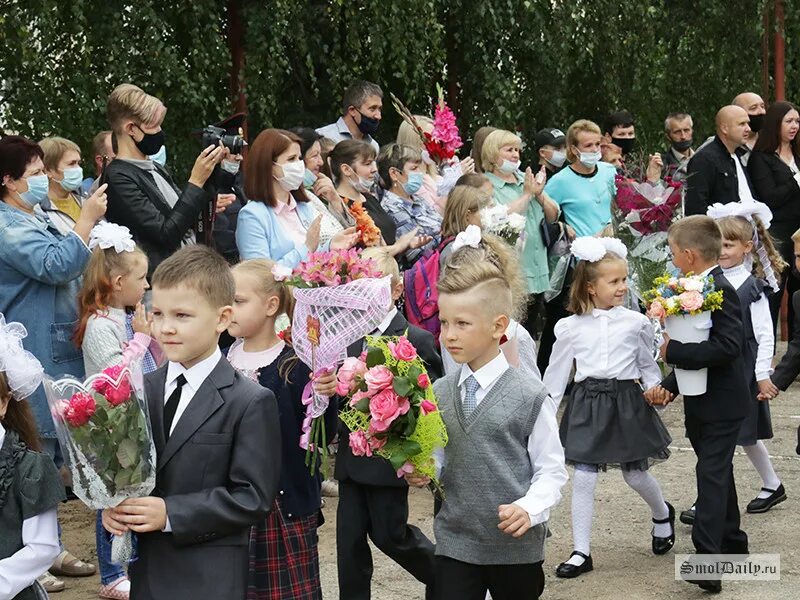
(103, 426)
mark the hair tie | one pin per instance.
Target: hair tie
(471, 236)
(23, 370)
(593, 249)
(110, 235)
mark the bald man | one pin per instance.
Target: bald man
(716, 173)
(754, 106)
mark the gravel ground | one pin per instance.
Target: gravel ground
(624, 564)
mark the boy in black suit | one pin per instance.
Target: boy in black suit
(217, 441)
(373, 500)
(713, 419)
(789, 367)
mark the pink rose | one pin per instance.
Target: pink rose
(656, 311)
(423, 381)
(80, 409)
(403, 349)
(115, 394)
(385, 407)
(378, 378)
(350, 369)
(376, 443)
(427, 407)
(691, 301)
(359, 444)
(407, 468)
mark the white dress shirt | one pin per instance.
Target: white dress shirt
(762, 323)
(745, 195)
(617, 343)
(195, 377)
(39, 550)
(387, 320)
(544, 445)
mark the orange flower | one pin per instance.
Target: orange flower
(370, 234)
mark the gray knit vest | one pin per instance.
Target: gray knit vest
(486, 465)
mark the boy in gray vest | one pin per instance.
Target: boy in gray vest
(503, 467)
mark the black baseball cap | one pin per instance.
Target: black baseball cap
(549, 137)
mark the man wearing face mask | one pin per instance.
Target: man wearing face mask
(361, 114)
(619, 129)
(754, 106)
(141, 193)
(62, 163)
(678, 128)
(550, 146)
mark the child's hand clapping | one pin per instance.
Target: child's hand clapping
(142, 322)
(325, 384)
(767, 390)
(514, 520)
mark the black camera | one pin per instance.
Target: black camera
(212, 136)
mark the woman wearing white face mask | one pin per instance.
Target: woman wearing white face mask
(523, 193)
(62, 163)
(278, 221)
(584, 190)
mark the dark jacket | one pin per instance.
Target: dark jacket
(711, 178)
(376, 470)
(671, 166)
(727, 395)
(224, 232)
(775, 186)
(218, 474)
(299, 492)
(789, 367)
(135, 201)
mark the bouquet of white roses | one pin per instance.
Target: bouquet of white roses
(497, 220)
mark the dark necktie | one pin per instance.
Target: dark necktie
(171, 407)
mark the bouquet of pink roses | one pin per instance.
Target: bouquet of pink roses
(103, 425)
(392, 411)
(339, 297)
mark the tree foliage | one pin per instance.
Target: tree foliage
(519, 64)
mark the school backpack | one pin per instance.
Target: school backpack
(422, 295)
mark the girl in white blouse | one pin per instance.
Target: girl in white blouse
(607, 420)
(736, 259)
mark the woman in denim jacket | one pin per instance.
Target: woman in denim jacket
(40, 269)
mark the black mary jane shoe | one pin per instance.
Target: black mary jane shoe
(662, 545)
(568, 571)
(762, 505)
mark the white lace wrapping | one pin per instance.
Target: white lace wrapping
(23, 370)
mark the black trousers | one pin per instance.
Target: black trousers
(458, 580)
(380, 512)
(717, 521)
(554, 311)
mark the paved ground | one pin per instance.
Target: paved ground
(624, 564)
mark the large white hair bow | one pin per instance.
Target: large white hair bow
(110, 235)
(593, 249)
(471, 236)
(23, 370)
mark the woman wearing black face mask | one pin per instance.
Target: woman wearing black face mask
(141, 194)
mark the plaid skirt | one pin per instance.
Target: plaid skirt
(284, 561)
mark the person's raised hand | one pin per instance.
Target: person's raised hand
(94, 207)
(323, 188)
(467, 165)
(654, 168)
(312, 234)
(205, 163)
(345, 239)
(224, 201)
(142, 322)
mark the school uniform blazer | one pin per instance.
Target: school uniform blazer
(218, 474)
(728, 394)
(376, 470)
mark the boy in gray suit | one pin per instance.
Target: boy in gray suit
(217, 442)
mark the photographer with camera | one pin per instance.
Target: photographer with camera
(141, 194)
(229, 183)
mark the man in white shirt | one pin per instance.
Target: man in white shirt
(361, 114)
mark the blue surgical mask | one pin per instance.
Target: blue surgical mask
(73, 177)
(160, 157)
(309, 179)
(413, 184)
(37, 190)
(590, 159)
(230, 166)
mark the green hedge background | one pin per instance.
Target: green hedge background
(518, 64)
